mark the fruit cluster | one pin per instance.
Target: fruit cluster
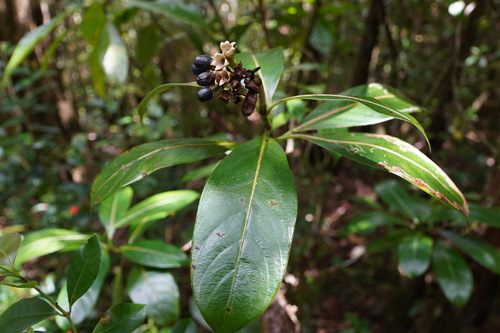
(221, 77)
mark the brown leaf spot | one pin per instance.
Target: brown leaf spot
(157, 164)
(442, 197)
(242, 200)
(197, 248)
(228, 310)
(193, 267)
(273, 203)
(144, 174)
(220, 234)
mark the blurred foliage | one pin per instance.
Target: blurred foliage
(65, 112)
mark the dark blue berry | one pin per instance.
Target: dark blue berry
(202, 62)
(205, 79)
(205, 94)
(197, 71)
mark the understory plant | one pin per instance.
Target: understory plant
(247, 212)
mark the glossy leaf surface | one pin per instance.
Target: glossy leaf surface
(41, 242)
(271, 63)
(243, 234)
(414, 255)
(158, 291)
(173, 9)
(114, 209)
(83, 269)
(452, 273)
(9, 245)
(397, 157)
(338, 113)
(154, 253)
(121, 318)
(25, 313)
(480, 251)
(142, 160)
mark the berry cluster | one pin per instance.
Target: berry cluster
(221, 77)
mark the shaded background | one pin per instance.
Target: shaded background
(63, 117)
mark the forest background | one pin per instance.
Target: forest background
(65, 114)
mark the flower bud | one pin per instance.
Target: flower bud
(205, 79)
(205, 94)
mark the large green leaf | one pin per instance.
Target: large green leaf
(243, 234)
(121, 318)
(156, 207)
(370, 102)
(9, 245)
(142, 160)
(28, 43)
(338, 113)
(41, 242)
(114, 209)
(154, 253)
(158, 291)
(24, 313)
(483, 253)
(414, 255)
(83, 269)
(271, 66)
(397, 157)
(174, 9)
(85, 305)
(452, 273)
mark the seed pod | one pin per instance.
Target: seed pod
(205, 94)
(248, 106)
(202, 62)
(205, 79)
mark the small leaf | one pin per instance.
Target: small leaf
(154, 253)
(480, 251)
(41, 242)
(185, 325)
(83, 269)
(121, 318)
(28, 43)
(452, 273)
(115, 208)
(367, 223)
(24, 313)
(271, 64)
(154, 208)
(243, 234)
(414, 255)
(9, 245)
(141, 108)
(114, 61)
(141, 161)
(397, 157)
(158, 291)
(339, 113)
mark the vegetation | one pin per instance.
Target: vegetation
(119, 211)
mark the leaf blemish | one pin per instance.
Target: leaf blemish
(273, 203)
(193, 267)
(157, 164)
(242, 200)
(228, 310)
(197, 248)
(220, 234)
(144, 174)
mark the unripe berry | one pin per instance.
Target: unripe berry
(205, 94)
(205, 79)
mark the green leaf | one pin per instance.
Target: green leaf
(114, 60)
(41, 242)
(397, 157)
(85, 305)
(414, 255)
(488, 216)
(154, 208)
(395, 195)
(114, 209)
(141, 108)
(369, 102)
(121, 318)
(480, 251)
(367, 223)
(339, 113)
(154, 253)
(158, 291)
(173, 9)
(9, 245)
(141, 161)
(147, 44)
(24, 313)
(28, 43)
(243, 234)
(452, 274)
(83, 269)
(93, 24)
(185, 325)
(271, 63)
